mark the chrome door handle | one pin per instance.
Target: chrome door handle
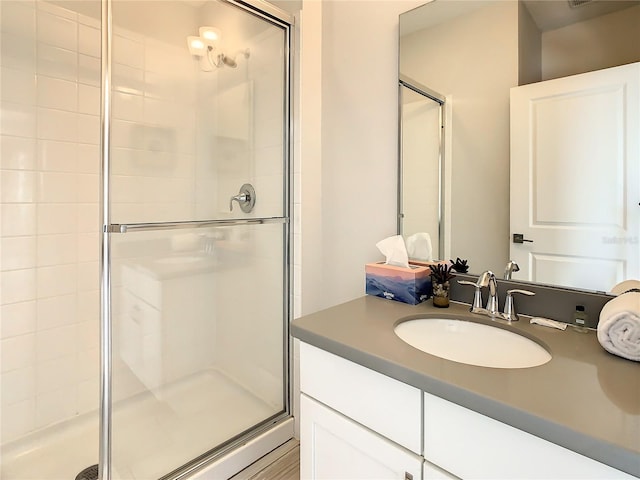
(246, 198)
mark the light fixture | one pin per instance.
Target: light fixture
(208, 41)
(207, 47)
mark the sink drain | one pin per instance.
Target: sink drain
(89, 473)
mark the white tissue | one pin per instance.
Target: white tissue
(419, 247)
(394, 250)
(547, 322)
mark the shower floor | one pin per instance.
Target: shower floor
(150, 436)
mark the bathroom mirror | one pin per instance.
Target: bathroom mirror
(473, 53)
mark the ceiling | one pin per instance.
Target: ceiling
(547, 14)
(550, 15)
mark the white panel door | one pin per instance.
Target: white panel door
(333, 447)
(575, 178)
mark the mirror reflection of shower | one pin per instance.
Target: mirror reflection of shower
(208, 47)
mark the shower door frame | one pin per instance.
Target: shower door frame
(277, 17)
(444, 117)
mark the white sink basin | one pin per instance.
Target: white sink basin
(472, 343)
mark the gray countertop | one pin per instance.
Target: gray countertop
(584, 399)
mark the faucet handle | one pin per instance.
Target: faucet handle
(246, 198)
(511, 267)
(477, 296)
(509, 307)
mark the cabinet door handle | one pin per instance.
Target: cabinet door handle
(408, 476)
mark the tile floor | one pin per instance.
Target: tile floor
(281, 464)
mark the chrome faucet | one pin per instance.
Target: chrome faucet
(511, 267)
(486, 279)
(492, 302)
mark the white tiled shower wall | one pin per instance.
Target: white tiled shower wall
(153, 125)
(50, 106)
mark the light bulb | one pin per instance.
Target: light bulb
(210, 34)
(196, 46)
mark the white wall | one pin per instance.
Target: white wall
(345, 148)
(351, 202)
(529, 48)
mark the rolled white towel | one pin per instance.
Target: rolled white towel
(619, 326)
(625, 286)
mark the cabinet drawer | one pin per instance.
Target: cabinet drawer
(471, 445)
(381, 403)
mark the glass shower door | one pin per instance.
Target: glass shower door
(199, 285)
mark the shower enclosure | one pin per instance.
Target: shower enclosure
(145, 236)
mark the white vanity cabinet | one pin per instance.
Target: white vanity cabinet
(359, 424)
(152, 338)
(472, 445)
(356, 423)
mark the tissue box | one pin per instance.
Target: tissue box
(409, 285)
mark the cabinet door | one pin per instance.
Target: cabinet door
(333, 447)
(432, 472)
